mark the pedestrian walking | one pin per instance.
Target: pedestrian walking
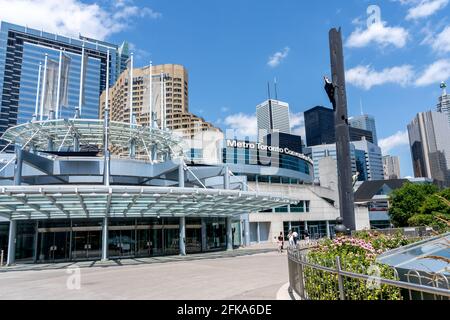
(280, 242)
(291, 239)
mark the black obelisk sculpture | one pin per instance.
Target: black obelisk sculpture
(336, 89)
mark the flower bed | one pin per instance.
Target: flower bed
(357, 254)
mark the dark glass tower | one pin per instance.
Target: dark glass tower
(22, 49)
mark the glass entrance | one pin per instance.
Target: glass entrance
(171, 240)
(314, 232)
(86, 245)
(122, 242)
(54, 246)
(149, 241)
(194, 240)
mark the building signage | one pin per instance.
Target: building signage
(262, 147)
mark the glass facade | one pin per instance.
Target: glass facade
(77, 240)
(21, 51)
(265, 159)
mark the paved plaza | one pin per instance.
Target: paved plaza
(243, 274)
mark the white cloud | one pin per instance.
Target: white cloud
(426, 8)
(73, 17)
(397, 140)
(380, 34)
(243, 125)
(434, 73)
(278, 57)
(298, 124)
(441, 42)
(365, 77)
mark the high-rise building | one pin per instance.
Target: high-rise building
(391, 167)
(23, 53)
(272, 116)
(366, 159)
(429, 134)
(443, 105)
(320, 129)
(374, 159)
(176, 99)
(365, 122)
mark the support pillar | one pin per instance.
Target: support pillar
(181, 174)
(12, 243)
(247, 231)
(18, 166)
(226, 178)
(204, 242)
(229, 234)
(328, 230)
(105, 239)
(182, 236)
(258, 237)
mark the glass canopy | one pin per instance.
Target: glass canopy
(82, 201)
(62, 132)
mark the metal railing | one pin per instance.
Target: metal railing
(331, 281)
(414, 232)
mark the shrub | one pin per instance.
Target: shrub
(357, 255)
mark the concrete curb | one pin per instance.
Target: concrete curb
(284, 294)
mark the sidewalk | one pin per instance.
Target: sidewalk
(252, 250)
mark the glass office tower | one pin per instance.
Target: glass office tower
(22, 49)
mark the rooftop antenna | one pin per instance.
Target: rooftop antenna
(276, 91)
(268, 89)
(361, 106)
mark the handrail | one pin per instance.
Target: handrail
(293, 256)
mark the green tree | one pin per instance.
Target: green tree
(434, 211)
(408, 200)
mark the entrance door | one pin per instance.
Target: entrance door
(149, 241)
(122, 242)
(171, 240)
(86, 245)
(314, 231)
(194, 240)
(53, 246)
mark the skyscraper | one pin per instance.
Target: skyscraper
(391, 167)
(443, 105)
(429, 134)
(319, 127)
(366, 159)
(365, 122)
(374, 159)
(23, 52)
(175, 99)
(272, 116)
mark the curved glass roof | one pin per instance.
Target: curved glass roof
(91, 132)
(431, 256)
(84, 201)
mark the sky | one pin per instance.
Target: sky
(396, 52)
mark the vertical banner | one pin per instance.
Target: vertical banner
(64, 83)
(51, 87)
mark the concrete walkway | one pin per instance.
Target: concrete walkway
(254, 273)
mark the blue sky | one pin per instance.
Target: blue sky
(232, 48)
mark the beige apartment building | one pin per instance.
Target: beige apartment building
(176, 99)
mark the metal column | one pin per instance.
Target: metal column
(328, 229)
(12, 243)
(18, 166)
(226, 178)
(204, 242)
(229, 234)
(182, 236)
(105, 239)
(247, 231)
(345, 185)
(181, 174)
(258, 237)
